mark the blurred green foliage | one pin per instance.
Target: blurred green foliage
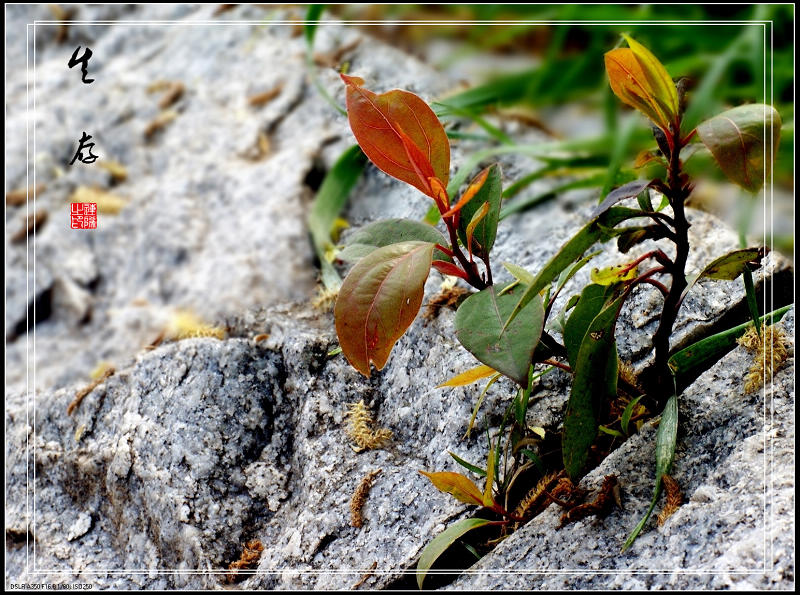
(725, 55)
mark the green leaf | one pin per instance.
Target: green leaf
(479, 328)
(467, 465)
(590, 388)
(710, 349)
(628, 413)
(569, 273)
(666, 440)
(485, 230)
(727, 267)
(643, 198)
(461, 487)
(329, 202)
(488, 499)
(534, 458)
(592, 300)
(390, 231)
(379, 300)
(443, 541)
(313, 14)
(590, 234)
(743, 141)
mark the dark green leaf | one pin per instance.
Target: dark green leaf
(591, 302)
(710, 349)
(590, 388)
(467, 465)
(313, 14)
(390, 231)
(590, 234)
(479, 328)
(666, 440)
(329, 202)
(743, 141)
(491, 192)
(443, 541)
(643, 198)
(535, 460)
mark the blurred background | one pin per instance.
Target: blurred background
(552, 76)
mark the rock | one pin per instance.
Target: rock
(197, 447)
(735, 467)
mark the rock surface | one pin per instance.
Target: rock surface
(192, 449)
(735, 467)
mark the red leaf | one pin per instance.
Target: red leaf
(399, 133)
(470, 193)
(448, 268)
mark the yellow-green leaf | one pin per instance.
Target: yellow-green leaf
(519, 273)
(459, 486)
(659, 79)
(613, 274)
(468, 377)
(640, 80)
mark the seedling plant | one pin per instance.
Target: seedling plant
(513, 329)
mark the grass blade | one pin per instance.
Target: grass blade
(329, 202)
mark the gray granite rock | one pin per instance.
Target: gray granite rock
(735, 467)
(190, 450)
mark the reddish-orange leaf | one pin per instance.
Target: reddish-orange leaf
(439, 194)
(399, 133)
(448, 268)
(473, 189)
(460, 486)
(476, 218)
(379, 300)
